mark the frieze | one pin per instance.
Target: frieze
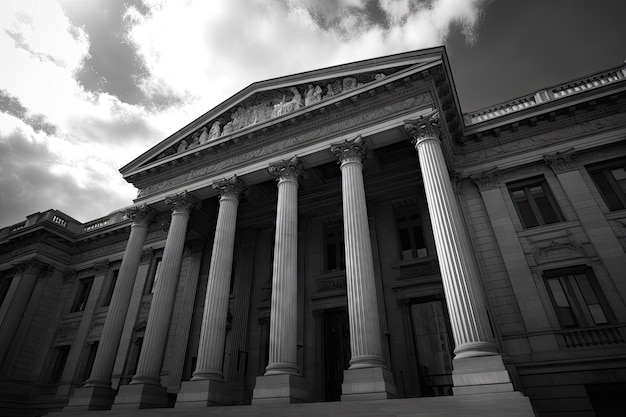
(292, 141)
(500, 147)
(103, 250)
(36, 247)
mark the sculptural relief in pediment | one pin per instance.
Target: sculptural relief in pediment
(267, 105)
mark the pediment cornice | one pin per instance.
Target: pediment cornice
(281, 100)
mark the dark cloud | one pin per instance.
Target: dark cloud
(21, 43)
(27, 184)
(525, 46)
(330, 15)
(113, 65)
(12, 105)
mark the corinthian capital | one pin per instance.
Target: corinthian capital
(486, 180)
(230, 187)
(184, 201)
(562, 161)
(287, 170)
(141, 214)
(350, 150)
(423, 128)
(31, 266)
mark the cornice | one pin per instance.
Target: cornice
(536, 137)
(354, 101)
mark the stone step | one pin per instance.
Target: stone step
(510, 404)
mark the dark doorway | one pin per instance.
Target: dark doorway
(432, 339)
(336, 351)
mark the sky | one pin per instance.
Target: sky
(86, 86)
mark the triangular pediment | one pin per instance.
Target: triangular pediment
(271, 100)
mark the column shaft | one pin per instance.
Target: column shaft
(153, 349)
(213, 333)
(24, 282)
(284, 307)
(365, 339)
(459, 272)
(116, 314)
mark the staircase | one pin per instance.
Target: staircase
(509, 404)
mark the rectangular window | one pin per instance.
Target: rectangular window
(534, 202)
(83, 294)
(60, 357)
(334, 248)
(111, 288)
(410, 233)
(153, 275)
(5, 283)
(610, 178)
(577, 298)
(91, 358)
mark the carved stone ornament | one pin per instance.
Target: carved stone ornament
(141, 214)
(291, 169)
(422, 128)
(230, 187)
(486, 180)
(184, 201)
(350, 150)
(101, 267)
(562, 161)
(32, 266)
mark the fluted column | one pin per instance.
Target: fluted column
(116, 315)
(16, 301)
(213, 332)
(365, 340)
(284, 305)
(153, 349)
(459, 272)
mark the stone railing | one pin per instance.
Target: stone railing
(60, 221)
(17, 227)
(96, 224)
(592, 337)
(545, 95)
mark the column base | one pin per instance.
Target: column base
(480, 375)
(91, 398)
(135, 396)
(207, 393)
(374, 383)
(280, 389)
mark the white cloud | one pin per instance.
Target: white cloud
(202, 52)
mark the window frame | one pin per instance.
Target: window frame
(340, 247)
(577, 299)
(539, 216)
(112, 283)
(82, 296)
(602, 171)
(414, 220)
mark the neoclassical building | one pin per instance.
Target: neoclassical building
(341, 236)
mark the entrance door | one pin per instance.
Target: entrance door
(336, 351)
(431, 336)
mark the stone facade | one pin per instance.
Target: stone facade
(338, 235)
